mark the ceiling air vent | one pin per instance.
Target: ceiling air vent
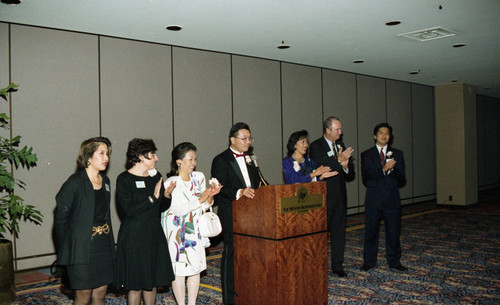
(429, 34)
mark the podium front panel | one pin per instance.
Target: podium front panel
(262, 215)
(290, 271)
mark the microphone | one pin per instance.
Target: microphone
(262, 180)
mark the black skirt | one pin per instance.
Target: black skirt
(99, 270)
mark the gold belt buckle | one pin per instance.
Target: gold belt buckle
(100, 229)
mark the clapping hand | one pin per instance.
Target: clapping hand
(215, 189)
(328, 174)
(169, 189)
(389, 165)
(156, 192)
(320, 171)
(209, 193)
(344, 155)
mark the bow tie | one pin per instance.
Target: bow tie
(239, 155)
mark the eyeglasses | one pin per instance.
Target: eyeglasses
(246, 139)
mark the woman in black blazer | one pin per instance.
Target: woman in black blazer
(82, 224)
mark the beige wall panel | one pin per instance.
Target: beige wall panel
(339, 99)
(470, 148)
(456, 144)
(371, 111)
(399, 117)
(301, 100)
(56, 107)
(257, 101)
(424, 143)
(4, 59)
(4, 79)
(136, 102)
(202, 102)
(4, 68)
(450, 144)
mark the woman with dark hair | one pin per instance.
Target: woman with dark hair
(142, 261)
(180, 223)
(297, 166)
(82, 224)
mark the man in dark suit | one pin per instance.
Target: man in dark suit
(383, 172)
(330, 151)
(236, 171)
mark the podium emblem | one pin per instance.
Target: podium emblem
(302, 202)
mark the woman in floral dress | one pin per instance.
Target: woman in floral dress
(180, 223)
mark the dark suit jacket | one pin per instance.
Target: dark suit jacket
(380, 188)
(74, 217)
(226, 170)
(335, 186)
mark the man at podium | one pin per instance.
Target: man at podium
(236, 171)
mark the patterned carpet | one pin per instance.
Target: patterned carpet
(452, 254)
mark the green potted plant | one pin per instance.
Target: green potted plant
(12, 207)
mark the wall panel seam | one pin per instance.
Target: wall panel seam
(172, 92)
(99, 81)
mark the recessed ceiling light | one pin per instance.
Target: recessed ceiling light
(393, 22)
(283, 46)
(459, 45)
(13, 2)
(358, 61)
(174, 28)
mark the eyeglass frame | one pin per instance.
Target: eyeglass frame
(250, 139)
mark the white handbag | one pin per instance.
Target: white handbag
(209, 224)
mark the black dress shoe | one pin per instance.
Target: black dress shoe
(400, 268)
(366, 267)
(339, 273)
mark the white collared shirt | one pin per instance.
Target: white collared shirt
(384, 149)
(244, 171)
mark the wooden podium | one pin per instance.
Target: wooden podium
(280, 245)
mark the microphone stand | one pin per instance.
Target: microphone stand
(262, 180)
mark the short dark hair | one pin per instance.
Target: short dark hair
(138, 147)
(88, 148)
(233, 132)
(179, 152)
(381, 125)
(293, 139)
(328, 122)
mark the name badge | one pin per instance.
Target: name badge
(107, 187)
(330, 153)
(140, 184)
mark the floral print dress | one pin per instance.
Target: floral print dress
(180, 225)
